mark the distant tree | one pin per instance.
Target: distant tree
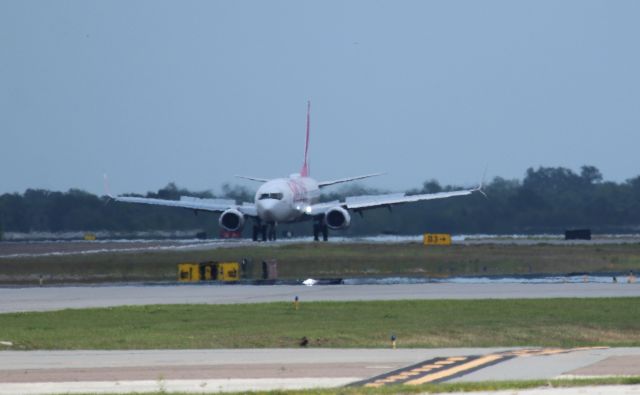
(590, 174)
(548, 199)
(237, 192)
(343, 191)
(172, 192)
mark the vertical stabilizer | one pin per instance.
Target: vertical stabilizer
(305, 166)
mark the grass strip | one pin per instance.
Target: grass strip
(319, 260)
(416, 323)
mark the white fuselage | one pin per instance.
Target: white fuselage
(286, 199)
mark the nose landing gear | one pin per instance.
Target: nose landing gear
(264, 231)
(271, 232)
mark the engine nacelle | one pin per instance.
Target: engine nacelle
(337, 218)
(231, 220)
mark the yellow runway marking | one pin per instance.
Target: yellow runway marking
(456, 369)
(532, 352)
(441, 369)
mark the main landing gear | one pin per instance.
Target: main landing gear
(320, 227)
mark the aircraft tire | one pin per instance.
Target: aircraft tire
(263, 232)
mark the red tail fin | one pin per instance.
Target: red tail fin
(305, 166)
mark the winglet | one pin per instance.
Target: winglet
(304, 172)
(480, 187)
(107, 190)
(322, 184)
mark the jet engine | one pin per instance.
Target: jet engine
(337, 218)
(231, 220)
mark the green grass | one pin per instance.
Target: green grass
(441, 323)
(451, 387)
(320, 260)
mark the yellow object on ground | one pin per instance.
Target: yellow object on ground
(436, 239)
(188, 272)
(228, 271)
(89, 236)
(207, 271)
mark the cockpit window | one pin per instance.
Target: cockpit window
(276, 196)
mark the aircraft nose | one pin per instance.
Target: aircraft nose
(266, 209)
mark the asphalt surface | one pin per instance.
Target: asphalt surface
(16, 249)
(56, 298)
(47, 372)
(36, 372)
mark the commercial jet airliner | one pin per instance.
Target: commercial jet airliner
(293, 199)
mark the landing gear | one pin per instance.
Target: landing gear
(259, 231)
(272, 232)
(264, 232)
(320, 227)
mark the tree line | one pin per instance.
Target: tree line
(546, 200)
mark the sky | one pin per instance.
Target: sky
(195, 92)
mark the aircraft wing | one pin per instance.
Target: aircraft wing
(372, 201)
(341, 180)
(364, 202)
(214, 205)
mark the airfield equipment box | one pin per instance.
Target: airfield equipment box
(208, 271)
(270, 269)
(228, 271)
(436, 239)
(577, 234)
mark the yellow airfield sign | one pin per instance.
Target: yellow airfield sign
(442, 239)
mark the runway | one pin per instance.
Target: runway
(198, 371)
(57, 298)
(38, 372)
(43, 248)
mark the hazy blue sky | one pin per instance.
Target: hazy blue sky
(197, 91)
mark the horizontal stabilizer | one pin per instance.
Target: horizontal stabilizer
(341, 180)
(252, 178)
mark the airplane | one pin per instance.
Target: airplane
(293, 199)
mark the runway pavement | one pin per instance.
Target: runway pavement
(38, 372)
(48, 372)
(56, 298)
(34, 248)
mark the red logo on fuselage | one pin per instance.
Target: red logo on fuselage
(299, 191)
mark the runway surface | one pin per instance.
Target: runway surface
(57, 298)
(37, 372)
(18, 249)
(197, 371)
